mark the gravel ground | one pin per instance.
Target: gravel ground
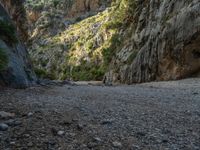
(150, 116)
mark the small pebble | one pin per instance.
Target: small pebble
(135, 147)
(80, 126)
(12, 143)
(6, 115)
(104, 122)
(72, 134)
(117, 144)
(60, 133)
(51, 142)
(97, 139)
(141, 133)
(195, 93)
(91, 145)
(54, 131)
(30, 114)
(30, 144)
(13, 122)
(27, 135)
(3, 127)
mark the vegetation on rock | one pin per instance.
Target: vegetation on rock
(7, 31)
(121, 42)
(84, 49)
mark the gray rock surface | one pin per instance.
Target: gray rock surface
(6, 115)
(18, 72)
(117, 144)
(164, 43)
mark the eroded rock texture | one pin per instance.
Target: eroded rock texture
(17, 13)
(164, 45)
(70, 25)
(16, 70)
(51, 18)
(79, 7)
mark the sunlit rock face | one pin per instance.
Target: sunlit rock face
(53, 32)
(52, 17)
(156, 40)
(15, 66)
(165, 43)
(82, 6)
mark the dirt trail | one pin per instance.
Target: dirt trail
(155, 116)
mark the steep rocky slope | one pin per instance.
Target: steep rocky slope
(15, 67)
(51, 17)
(75, 52)
(129, 41)
(49, 22)
(166, 40)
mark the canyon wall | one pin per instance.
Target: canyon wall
(54, 32)
(164, 43)
(128, 41)
(15, 66)
(52, 17)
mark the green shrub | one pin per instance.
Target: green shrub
(78, 19)
(7, 31)
(38, 7)
(55, 3)
(132, 57)
(89, 45)
(109, 52)
(84, 72)
(98, 72)
(41, 73)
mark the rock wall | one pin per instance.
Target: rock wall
(17, 13)
(151, 40)
(49, 18)
(79, 7)
(54, 35)
(16, 70)
(164, 43)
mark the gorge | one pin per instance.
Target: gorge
(99, 74)
(115, 41)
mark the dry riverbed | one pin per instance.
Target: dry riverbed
(151, 116)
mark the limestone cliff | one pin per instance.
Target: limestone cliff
(164, 43)
(48, 18)
(15, 67)
(54, 32)
(126, 41)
